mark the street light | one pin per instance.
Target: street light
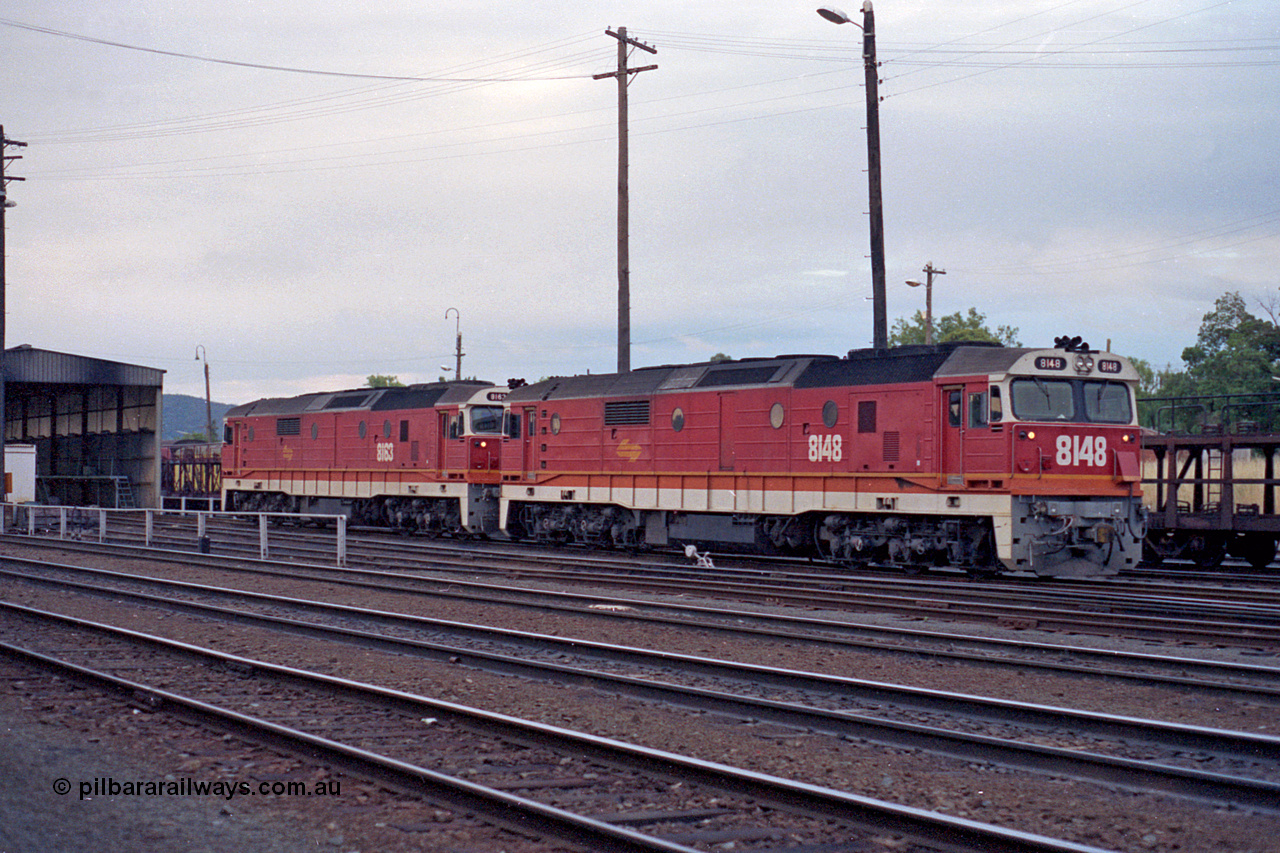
(457, 373)
(930, 272)
(836, 16)
(880, 328)
(208, 400)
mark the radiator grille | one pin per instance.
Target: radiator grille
(626, 412)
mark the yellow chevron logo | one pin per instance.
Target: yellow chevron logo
(629, 450)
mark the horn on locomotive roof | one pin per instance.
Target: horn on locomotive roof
(1071, 344)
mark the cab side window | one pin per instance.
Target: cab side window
(978, 409)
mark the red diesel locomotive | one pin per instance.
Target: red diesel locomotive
(424, 457)
(978, 456)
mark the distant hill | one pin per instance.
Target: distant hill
(184, 414)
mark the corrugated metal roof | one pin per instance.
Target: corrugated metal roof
(38, 366)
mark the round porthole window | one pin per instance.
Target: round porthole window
(830, 411)
(677, 419)
(555, 423)
(315, 430)
(776, 416)
(251, 433)
(386, 429)
(362, 429)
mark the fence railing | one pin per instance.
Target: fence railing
(78, 522)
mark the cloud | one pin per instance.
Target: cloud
(311, 230)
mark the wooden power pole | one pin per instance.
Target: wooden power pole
(5, 142)
(624, 203)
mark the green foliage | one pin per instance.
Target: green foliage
(1230, 366)
(383, 380)
(719, 357)
(951, 327)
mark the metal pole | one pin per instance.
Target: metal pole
(208, 402)
(457, 317)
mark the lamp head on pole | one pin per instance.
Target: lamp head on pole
(913, 283)
(836, 16)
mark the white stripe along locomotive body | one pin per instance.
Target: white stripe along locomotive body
(977, 456)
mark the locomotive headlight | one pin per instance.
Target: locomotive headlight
(1084, 363)
(1027, 433)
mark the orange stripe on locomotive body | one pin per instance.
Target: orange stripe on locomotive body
(955, 431)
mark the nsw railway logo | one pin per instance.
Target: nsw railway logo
(629, 450)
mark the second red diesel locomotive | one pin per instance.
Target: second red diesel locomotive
(979, 456)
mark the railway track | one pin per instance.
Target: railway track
(680, 613)
(1141, 755)
(601, 793)
(1116, 608)
(300, 541)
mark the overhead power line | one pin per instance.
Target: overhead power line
(266, 67)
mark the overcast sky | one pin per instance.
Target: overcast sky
(249, 176)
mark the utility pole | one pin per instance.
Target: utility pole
(929, 272)
(624, 203)
(5, 142)
(880, 318)
(879, 307)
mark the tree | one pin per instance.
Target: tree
(383, 380)
(719, 357)
(1235, 353)
(952, 327)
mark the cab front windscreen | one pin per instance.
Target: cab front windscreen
(1073, 400)
(486, 420)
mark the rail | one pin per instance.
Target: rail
(78, 522)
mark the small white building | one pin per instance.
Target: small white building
(19, 473)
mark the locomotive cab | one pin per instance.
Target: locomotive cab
(472, 434)
(1076, 471)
